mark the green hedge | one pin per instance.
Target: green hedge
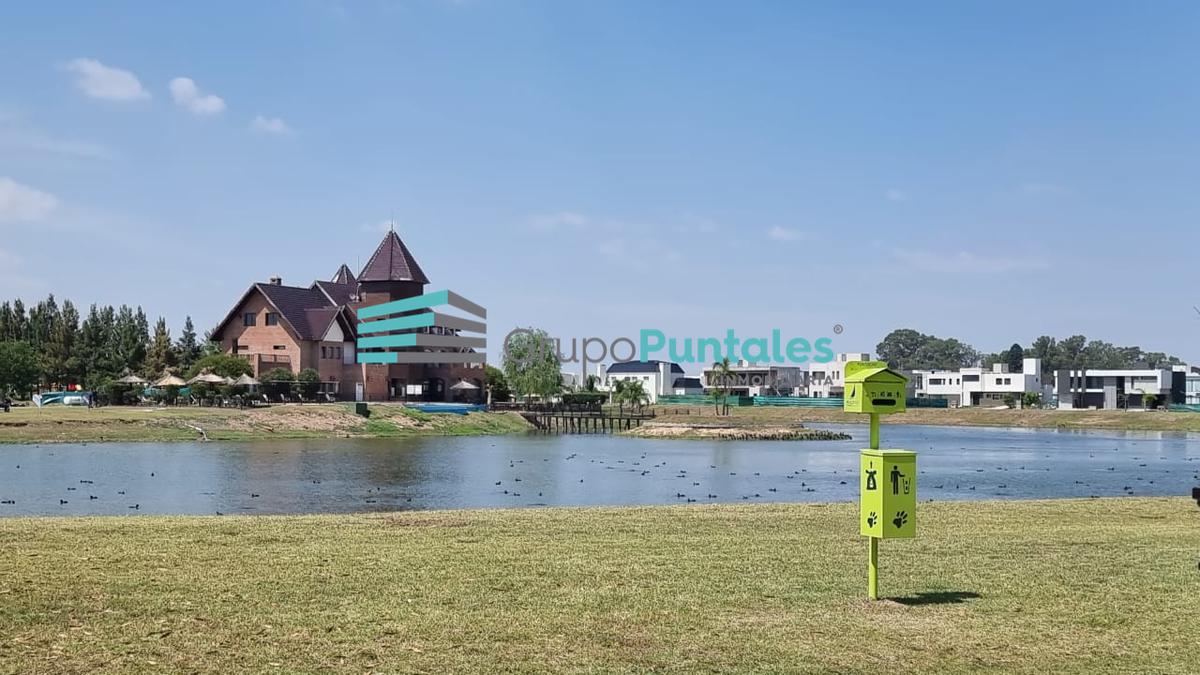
(585, 397)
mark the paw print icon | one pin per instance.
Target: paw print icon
(872, 519)
(900, 519)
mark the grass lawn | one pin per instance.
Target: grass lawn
(125, 423)
(1063, 586)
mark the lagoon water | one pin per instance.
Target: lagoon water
(343, 476)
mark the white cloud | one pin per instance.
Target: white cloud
(778, 233)
(560, 220)
(100, 81)
(271, 125)
(895, 195)
(964, 261)
(16, 137)
(185, 93)
(22, 203)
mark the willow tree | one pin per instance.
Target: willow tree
(531, 365)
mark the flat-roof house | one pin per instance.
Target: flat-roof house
(979, 386)
(760, 379)
(1111, 389)
(294, 328)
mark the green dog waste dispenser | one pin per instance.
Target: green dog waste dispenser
(872, 387)
(887, 478)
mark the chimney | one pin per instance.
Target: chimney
(276, 281)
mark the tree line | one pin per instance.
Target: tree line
(50, 346)
(908, 349)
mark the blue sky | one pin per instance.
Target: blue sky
(991, 173)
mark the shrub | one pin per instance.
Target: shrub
(584, 397)
(277, 382)
(307, 384)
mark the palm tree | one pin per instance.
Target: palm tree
(630, 391)
(723, 373)
(715, 394)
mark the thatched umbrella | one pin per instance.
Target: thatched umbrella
(207, 378)
(171, 381)
(246, 381)
(464, 385)
(132, 379)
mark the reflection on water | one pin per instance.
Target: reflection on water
(319, 476)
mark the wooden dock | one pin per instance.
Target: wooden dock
(558, 418)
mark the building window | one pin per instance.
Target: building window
(324, 352)
(970, 378)
(280, 348)
(272, 319)
(249, 319)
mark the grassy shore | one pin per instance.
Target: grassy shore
(1051, 419)
(119, 423)
(1049, 586)
(59, 424)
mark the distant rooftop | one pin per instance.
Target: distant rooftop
(642, 367)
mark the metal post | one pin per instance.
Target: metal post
(873, 569)
(873, 555)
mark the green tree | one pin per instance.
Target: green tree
(19, 330)
(1149, 400)
(531, 364)
(161, 356)
(19, 369)
(1071, 352)
(225, 365)
(277, 382)
(188, 347)
(307, 384)
(1015, 358)
(129, 342)
(900, 347)
(60, 354)
(497, 385)
(723, 374)
(716, 395)
(631, 392)
(1031, 399)
(947, 354)
(1046, 348)
(1010, 400)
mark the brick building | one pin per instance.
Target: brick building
(298, 327)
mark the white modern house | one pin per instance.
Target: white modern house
(658, 378)
(1192, 389)
(981, 387)
(1112, 389)
(826, 380)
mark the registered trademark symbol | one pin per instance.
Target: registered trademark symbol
(837, 329)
